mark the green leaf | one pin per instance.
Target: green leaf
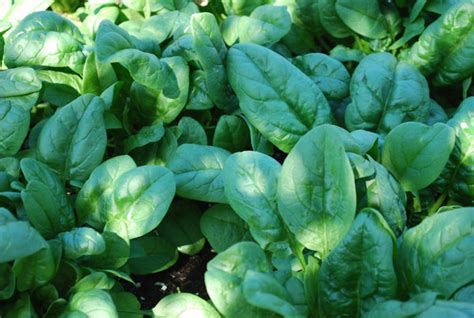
(45, 200)
(242, 7)
(412, 29)
(263, 291)
(359, 272)
(457, 177)
(437, 114)
(273, 23)
(199, 98)
(39, 268)
(19, 91)
(94, 303)
(265, 96)
(316, 190)
(331, 21)
(199, 177)
(59, 88)
(437, 255)
(95, 280)
(181, 227)
(141, 199)
(222, 227)
(81, 241)
(15, 122)
(231, 133)
(7, 281)
(386, 93)
(211, 53)
(158, 153)
(225, 275)
(363, 17)
(127, 305)
(182, 305)
(22, 307)
(421, 305)
(328, 73)
(18, 239)
(116, 254)
(345, 54)
(251, 180)
(257, 140)
(443, 49)
(151, 106)
(145, 136)
(115, 45)
(95, 200)
(416, 154)
(25, 45)
(191, 132)
(386, 195)
(465, 294)
(97, 76)
(79, 135)
(151, 254)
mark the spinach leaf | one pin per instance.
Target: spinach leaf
(416, 154)
(365, 254)
(316, 191)
(386, 93)
(79, 136)
(443, 48)
(265, 97)
(199, 177)
(438, 248)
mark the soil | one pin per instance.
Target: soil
(187, 275)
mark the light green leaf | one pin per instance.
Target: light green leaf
(316, 190)
(199, 177)
(416, 153)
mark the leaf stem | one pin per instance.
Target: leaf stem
(437, 203)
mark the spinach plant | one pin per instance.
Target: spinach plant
(321, 151)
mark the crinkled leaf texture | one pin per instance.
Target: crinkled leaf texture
(45, 39)
(444, 49)
(458, 177)
(386, 93)
(438, 254)
(329, 74)
(275, 96)
(359, 272)
(73, 140)
(422, 305)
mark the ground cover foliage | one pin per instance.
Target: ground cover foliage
(323, 149)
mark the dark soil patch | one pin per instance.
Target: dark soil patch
(187, 275)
